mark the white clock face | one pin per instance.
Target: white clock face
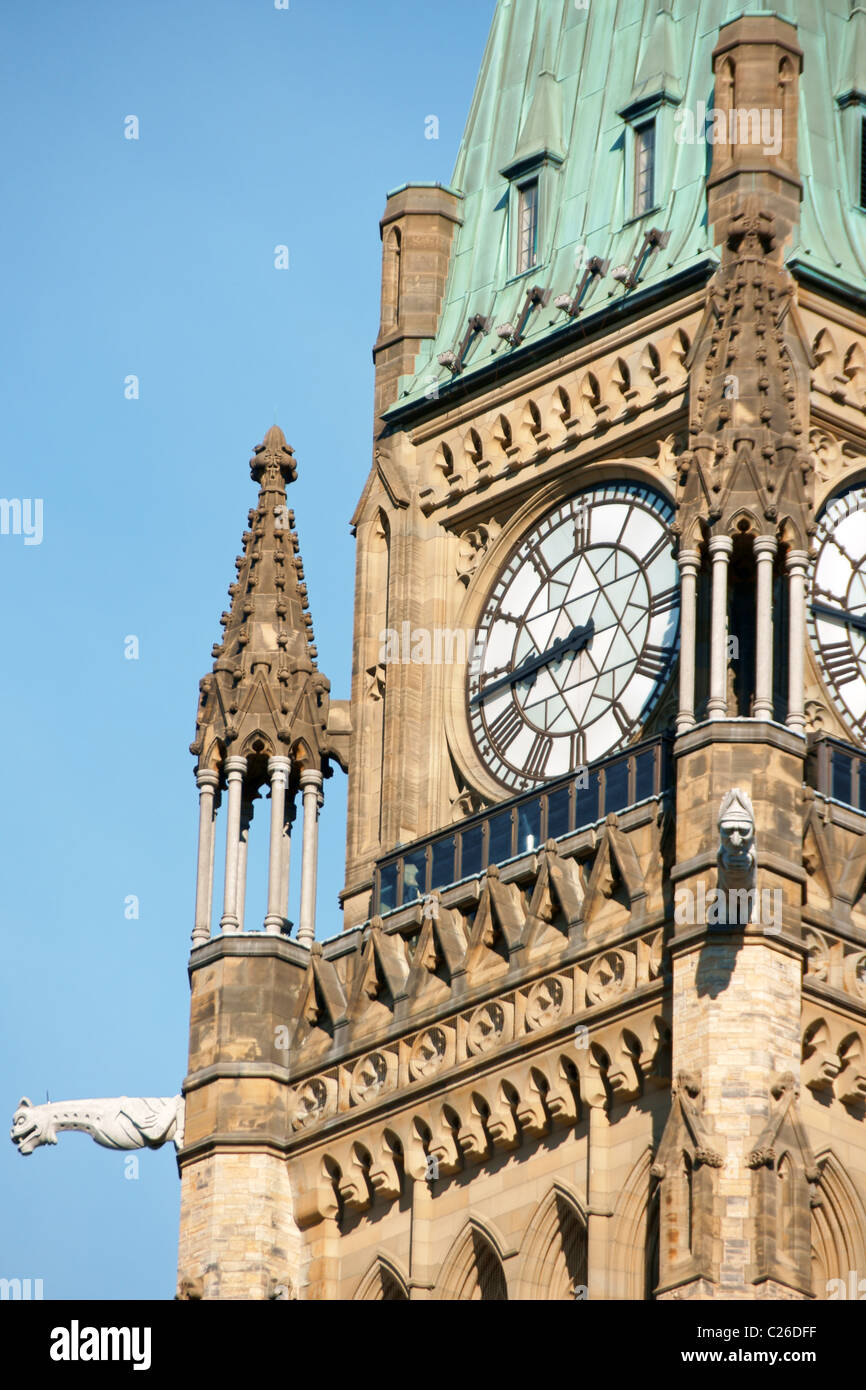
(577, 637)
(837, 604)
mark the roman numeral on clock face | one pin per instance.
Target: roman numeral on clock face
(664, 601)
(578, 749)
(506, 726)
(652, 662)
(539, 753)
(581, 526)
(663, 543)
(621, 716)
(842, 665)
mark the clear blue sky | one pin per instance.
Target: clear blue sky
(155, 257)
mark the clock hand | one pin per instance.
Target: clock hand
(576, 640)
(839, 615)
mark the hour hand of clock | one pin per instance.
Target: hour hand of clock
(839, 615)
(577, 639)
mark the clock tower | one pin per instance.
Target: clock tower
(595, 1023)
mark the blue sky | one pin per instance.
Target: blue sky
(155, 258)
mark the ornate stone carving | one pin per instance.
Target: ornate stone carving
(606, 977)
(544, 1003)
(473, 547)
(369, 1077)
(466, 803)
(816, 715)
(312, 1102)
(428, 1054)
(737, 857)
(123, 1122)
(818, 957)
(486, 1028)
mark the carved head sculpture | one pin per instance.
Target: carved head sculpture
(31, 1126)
(736, 831)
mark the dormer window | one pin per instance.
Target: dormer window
(644, 168)
(527, 226)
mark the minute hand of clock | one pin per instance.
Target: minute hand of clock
(839, 615)
(576, 640)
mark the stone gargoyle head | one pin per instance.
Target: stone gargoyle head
(31, 1127)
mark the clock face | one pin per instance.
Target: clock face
(837, 603)
(577, 637)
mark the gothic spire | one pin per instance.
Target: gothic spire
(265, 694)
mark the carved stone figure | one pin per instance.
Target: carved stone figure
(737, 857)
(124, 1122)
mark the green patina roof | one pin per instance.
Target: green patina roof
(554, 83)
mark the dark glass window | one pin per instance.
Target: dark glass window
(387, 887)
(557, 813)
(414, 875)
(616, 786)
(499, 842)
(472, 855)
(529, 826)
(644, 775)
(442, 862)
(842, 780)
(586, 802)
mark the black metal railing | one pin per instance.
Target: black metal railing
(838, 770)
(523, 823)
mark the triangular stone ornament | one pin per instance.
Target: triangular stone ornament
(685, 1165)
(616, 874)
(852, 877)
(322, 1004)
(497, 931)
(556, 905)
(439, 953)
(381, 973)
(820, 858)
(785, 1178)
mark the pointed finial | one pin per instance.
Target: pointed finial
(274, 453)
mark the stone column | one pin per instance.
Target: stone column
(279, 769)
(207, 782)
(599, 1208)
(243, 847)
(689, 563)
(235, 769)
(765, 550)
(720, 551)
(311, 783)
(286, 851)
(796, 565)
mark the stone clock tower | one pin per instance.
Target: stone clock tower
(594, 1024)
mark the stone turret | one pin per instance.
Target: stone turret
(263, 715)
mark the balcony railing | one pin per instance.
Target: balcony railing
(522, 824)
(838, 770)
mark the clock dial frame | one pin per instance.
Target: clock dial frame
(838, 582)
(601, 557)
